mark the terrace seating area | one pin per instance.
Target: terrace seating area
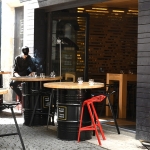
(39, 137)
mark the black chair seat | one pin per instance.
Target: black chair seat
(10, 104)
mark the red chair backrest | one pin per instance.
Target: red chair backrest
(98, 98)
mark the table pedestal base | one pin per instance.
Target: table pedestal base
(29, 100)
(68, 113)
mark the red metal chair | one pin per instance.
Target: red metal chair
(94, 117)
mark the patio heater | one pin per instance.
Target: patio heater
(60, 42)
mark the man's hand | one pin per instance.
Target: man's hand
(16, 74)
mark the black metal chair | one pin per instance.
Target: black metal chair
(108, 91)
(11, 105)
(146, 144)
(38, 93)
(51, 105)
(131, 101)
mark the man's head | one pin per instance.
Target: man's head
(25, 50)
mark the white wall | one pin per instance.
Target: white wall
(7, 43)
(7, 36)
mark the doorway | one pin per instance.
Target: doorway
(69, 56)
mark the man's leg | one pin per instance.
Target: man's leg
(15, 88)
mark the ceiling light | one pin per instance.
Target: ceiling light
(100, 8)
(80, 8)
(96, 11)
(133, 10)
(121, 11)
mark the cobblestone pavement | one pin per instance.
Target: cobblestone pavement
(36, 138)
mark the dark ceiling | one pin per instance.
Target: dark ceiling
(126, 4)
(130, 4)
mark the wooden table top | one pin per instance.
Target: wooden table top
(73, 85)
(28, 78)
(5, 72)
(115, 76)
(3, 91)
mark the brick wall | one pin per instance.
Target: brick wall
(143, 72)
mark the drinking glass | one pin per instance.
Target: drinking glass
(121, 71)
(34, 74)
(52, 74)
(130, 72)
(42, 75)
(80, 80)
(91, 81)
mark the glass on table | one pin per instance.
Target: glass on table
(52, 74)
(121, 71)
(91, 81)
(80, 80)
(34, 74)
(130, 72)
(42, 75)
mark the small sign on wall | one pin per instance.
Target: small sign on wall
(62, 113)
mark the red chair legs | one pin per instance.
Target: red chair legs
(95, 123)
(19, 107)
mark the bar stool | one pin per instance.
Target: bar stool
(11, 105)
(94, 117)
(131, 101)
(50, 112)
(38, 93)
(110, 89)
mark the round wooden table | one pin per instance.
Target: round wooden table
(1, 83)
(5, 72)
(28, 78)
(29, 101)
(70, 98)
(73, 85)
(36, 79)
(3, 91)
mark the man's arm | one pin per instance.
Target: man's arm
(15, 72)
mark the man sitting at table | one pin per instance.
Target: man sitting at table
(23, 66)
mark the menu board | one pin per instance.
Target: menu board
(68, 59)
(45, 101)
(62, 113)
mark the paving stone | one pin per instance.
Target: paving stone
(36, 138)
(41, 138)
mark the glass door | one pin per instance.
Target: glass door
(68, 44)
